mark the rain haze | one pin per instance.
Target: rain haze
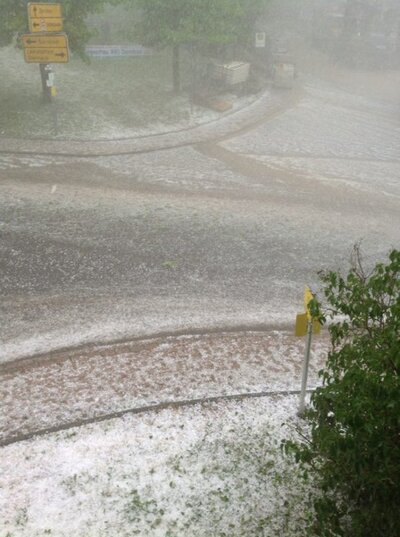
(172, 175)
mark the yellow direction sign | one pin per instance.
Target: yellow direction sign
(45, 25)
(47, 11)
(302, 325)
(46, 55)
(303, 319)
(308, 296)
(306, 325)
(45, 48)
(45, 41)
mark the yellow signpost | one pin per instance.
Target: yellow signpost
(306, 325)
(49, 46)
(40, 10)
(302, 323)
(308, 296)
(46, 48)
(44, 24)
(45, 18)
(46, 55)
(45, 41)
(45, 44)
(303, 319)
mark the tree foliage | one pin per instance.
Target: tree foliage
(354, 444)
(174, 22)
(171, 23)
(14, 20)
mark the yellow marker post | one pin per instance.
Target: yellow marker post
(306, 326)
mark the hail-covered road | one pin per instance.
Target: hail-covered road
(220, 233)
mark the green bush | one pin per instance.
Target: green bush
(353, 445)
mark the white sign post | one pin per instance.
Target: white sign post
(260, 40)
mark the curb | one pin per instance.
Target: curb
(158, 407)
(9, 366)
(268, 104)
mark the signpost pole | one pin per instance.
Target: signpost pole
(46, 90)
(306, 325)
(55, 116)
(44, 45)
(305, 368)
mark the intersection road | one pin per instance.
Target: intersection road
(217, 234)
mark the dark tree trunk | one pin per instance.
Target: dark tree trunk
(176, 74)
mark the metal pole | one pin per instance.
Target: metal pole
(192, 67)
(45, 89)
(55, 116)
(305, 369)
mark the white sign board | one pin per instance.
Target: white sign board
(260, 39)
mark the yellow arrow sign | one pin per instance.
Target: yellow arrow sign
(44, 10)
(303, 319)
(308, 296)
(45, 48)
(44, 24)
(46, 55)
(45, 41)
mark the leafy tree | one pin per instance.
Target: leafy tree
(14, 20)
(172, 23)
(353, 448)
